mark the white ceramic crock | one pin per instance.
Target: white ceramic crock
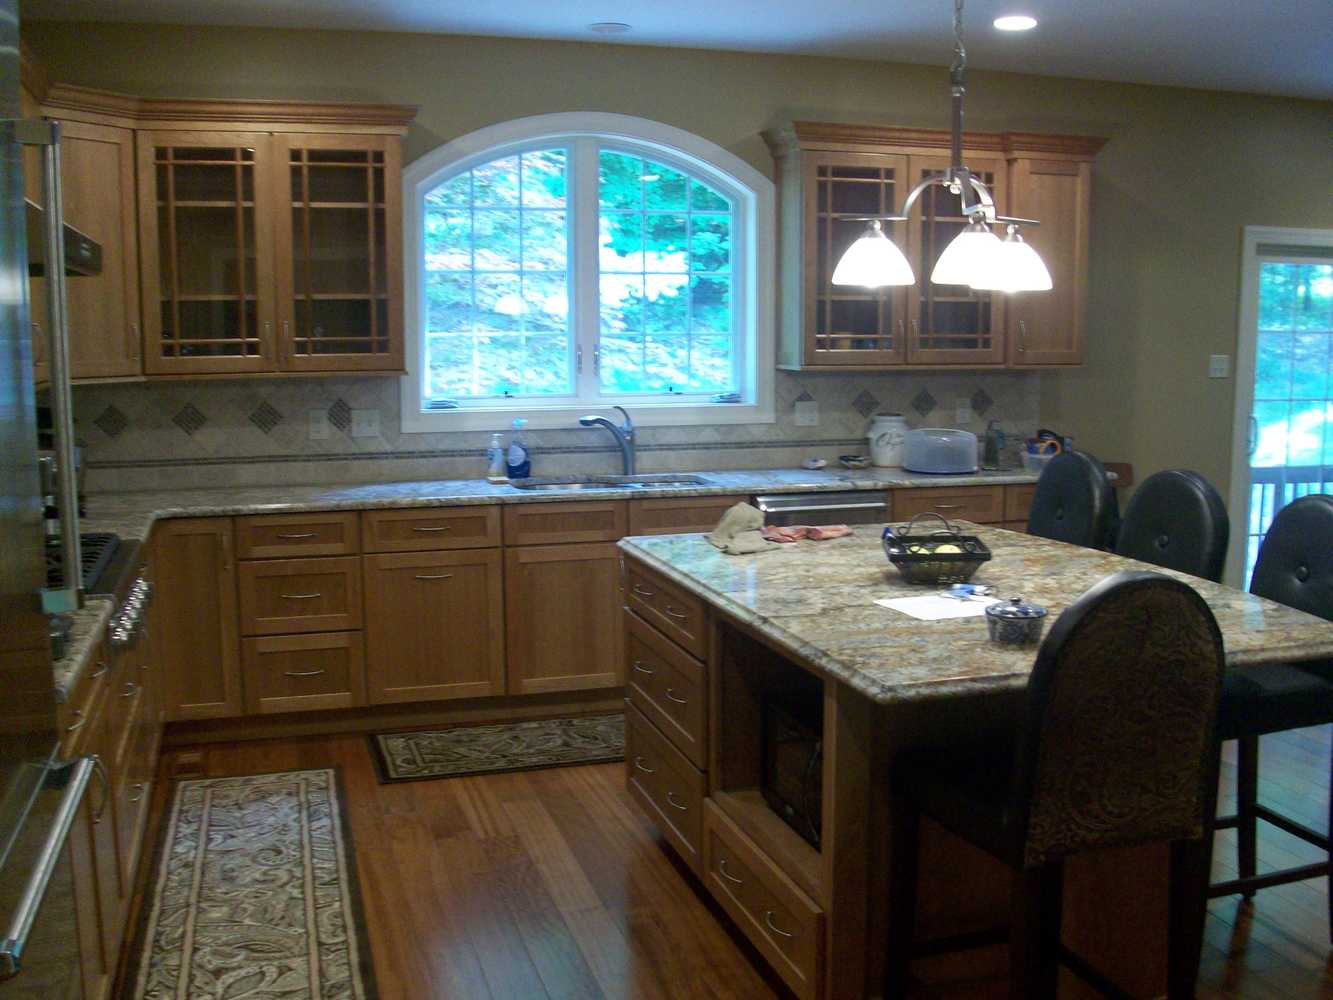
(887, 432)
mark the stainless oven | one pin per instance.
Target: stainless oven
(849, 507)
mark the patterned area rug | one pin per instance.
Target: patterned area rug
(255, 895)
(514, 746)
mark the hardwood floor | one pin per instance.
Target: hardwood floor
(552, 884)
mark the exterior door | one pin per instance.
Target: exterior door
(1283, 434)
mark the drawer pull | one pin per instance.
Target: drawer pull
(434, 576)
(638, 665)
(672, 697)
(641, 592)
(722, 867)
(100, 770)
(131, 689)
(304, 673)
(638, 762)
(301, 597)
(139, 786)
(948, 506)
(292, 536)
(424, 527)
(671, 800)
(74, 727)
(101, 669)
(676, 613)
(768, 919)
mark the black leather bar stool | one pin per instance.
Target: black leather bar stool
(1116, 747)
(1295, 568)
(1177, 519)
(1074, 502)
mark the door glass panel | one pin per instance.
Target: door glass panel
(1291, 428)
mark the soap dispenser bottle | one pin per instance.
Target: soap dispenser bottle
(519, 462)
(496, 454)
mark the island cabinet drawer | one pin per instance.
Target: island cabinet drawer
(297, 673)
(674, 612)
(565, 523)
(281, 536)
(429, 529)
(670, 517)
(666, 785)
(785, 924)
(285, 596)
(667, 685)
(75, 714)
(1018, 502)
(984, 504)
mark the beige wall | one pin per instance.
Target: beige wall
(1182, 173)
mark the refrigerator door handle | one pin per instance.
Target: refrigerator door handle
(16, 937)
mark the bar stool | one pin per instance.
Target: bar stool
(1177, 519)
(1114, 749)
(1074, 502)
(1295, 567)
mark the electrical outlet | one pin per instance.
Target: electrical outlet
(807, 413)
(962, 413)
(365, 423)
(1219, 365)
(319, 425)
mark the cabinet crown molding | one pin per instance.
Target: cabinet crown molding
(847, 136)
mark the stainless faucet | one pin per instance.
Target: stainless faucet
(623, 434)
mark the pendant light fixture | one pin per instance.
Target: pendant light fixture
(976, 256)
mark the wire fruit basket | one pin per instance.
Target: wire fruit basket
(943, 555)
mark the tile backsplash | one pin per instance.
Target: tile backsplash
(234, 433)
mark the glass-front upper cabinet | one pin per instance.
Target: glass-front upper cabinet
(206, 252)
(339, 238)
(951, 324)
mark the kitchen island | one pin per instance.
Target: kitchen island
(712, 639)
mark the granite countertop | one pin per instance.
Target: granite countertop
(88, 628)
(814, 601)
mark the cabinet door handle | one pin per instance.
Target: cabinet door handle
(74, 727)
(638, 665)
(638, 762)
(672, 697)
(101, 669)
(140, 787)
(131, 689)
(301, 597)
(304, 673)
(641, 592)
(1022, 336)
(722, 867)
(671, 801)
(441, 527)
(768, 919)
(434, 576)
(292, 535)
(133, 331)
(676, 613)
(99, 769)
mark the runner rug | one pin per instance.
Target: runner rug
(254, 895)
(515, 746)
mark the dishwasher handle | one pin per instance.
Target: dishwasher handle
(16, 937)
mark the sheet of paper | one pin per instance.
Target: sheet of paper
(933, 607)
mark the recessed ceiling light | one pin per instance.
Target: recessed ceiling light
(1015, 22)
(608, 27)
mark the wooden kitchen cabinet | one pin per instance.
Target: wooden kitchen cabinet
(434, 625)
(299, 673)
(563, 618)
(199, 640)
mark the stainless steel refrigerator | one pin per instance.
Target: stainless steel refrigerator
(40, 796)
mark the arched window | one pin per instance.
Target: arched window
(576, 260)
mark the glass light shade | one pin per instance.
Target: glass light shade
(969, 258)
(873, 261)
(1017, 268)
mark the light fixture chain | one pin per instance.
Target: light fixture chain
(959, 52)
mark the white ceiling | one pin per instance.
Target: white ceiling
(1281, 47)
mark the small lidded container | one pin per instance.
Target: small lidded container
(1016, 622)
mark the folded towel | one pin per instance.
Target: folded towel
(796, 532)
(738, 531)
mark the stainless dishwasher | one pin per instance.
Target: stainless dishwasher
(852, 507)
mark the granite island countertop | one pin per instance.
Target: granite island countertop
(815, 602)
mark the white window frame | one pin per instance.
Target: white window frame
(753, 273)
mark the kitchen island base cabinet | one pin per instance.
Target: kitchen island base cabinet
(562, 617)
(434, 625)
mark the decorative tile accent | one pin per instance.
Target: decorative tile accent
(923, 402)
(981, 402)
(865, 404)
(265, 417)
(340, 415)
(111, 421)
(804, 397)
(189, 419)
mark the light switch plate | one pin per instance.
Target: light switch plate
(1219, 365)
(365, 423)
(807, 413)
(962, 413)
(319, 425)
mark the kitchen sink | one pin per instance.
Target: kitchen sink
(579, 484)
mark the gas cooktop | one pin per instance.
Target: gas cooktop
(98, 549)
